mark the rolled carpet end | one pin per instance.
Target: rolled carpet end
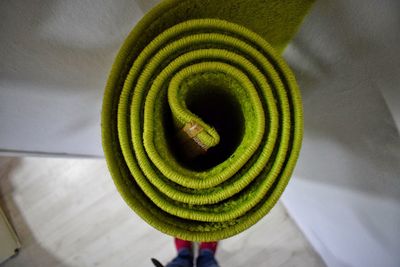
(202, 127)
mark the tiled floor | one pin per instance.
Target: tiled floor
(67, 212)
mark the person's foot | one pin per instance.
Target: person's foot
(206, 256)
(206, 259)
(185, 254)
(184, 259)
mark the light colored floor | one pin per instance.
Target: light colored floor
(67, 212)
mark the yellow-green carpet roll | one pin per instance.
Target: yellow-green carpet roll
(202, 118)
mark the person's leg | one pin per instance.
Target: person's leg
(182, 244)
(185, 254)
(209, 245)
(206, 256)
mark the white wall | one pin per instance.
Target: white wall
(345, 193)
(55, 60)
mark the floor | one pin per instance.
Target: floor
(67, 212)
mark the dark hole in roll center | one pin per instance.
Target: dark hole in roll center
(221, 110)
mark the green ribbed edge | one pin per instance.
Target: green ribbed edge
(230, 197)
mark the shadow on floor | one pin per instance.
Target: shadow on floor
(31, 252)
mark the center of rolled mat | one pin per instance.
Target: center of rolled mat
(203, 131)
(214, 99)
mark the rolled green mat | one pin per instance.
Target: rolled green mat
(202, 118)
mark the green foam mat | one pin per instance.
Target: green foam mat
(202, 118)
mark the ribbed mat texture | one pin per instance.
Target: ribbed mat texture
(202, 121)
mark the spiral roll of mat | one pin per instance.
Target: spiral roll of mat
(202, 133)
